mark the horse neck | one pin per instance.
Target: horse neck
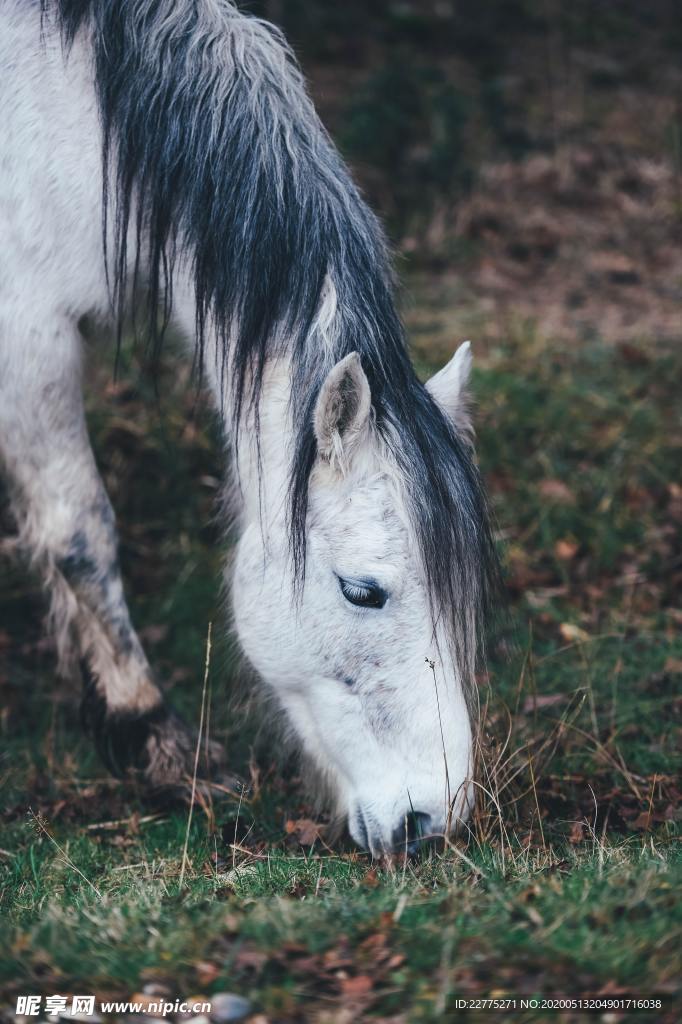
(263, 450)
(260, 452)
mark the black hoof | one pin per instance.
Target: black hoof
(155, 746)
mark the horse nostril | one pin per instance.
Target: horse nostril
(413, 828)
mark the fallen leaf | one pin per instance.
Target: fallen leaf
(334, 959)
(252, 959)
(577, 833)
(557, 490)
(206, 971)
(305, 830)
(566, 550)
(572, 633)
(357, 987)
(542, 701)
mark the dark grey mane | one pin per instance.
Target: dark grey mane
(212, 149)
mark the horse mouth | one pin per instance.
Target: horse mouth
(411, 837)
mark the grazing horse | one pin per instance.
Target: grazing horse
(171, 150)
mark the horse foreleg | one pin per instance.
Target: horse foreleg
(66, 526)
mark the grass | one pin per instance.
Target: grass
(567, 883)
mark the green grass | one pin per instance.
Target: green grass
(602, 912)
(567, 884)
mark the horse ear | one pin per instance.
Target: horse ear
(342, 410)
(449, 388)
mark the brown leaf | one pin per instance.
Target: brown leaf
(542, 701)
(642, 821)
(206, 971)
(556, 490)
(309, 965)
(58, 808)
(566, 550)
(577, 833)
(252, 959)
(305, 830)
(673, 666)
(357, 987)
(376, 941)
(334, 959)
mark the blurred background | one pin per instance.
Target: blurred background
(526, 158)
(528, 151)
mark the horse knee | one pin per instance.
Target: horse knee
(89, 615)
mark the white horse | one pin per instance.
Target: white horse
(172, 148)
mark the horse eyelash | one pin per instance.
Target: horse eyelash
(356, 590)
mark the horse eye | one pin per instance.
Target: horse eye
(363, 593)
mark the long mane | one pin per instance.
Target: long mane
(212, 150)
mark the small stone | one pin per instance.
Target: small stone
(227, 1007)
(153, 988)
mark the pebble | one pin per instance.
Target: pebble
(154, 988)
(227, 1007)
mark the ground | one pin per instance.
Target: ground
(563, 264)
(568, 882)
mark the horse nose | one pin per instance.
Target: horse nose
(411, 831)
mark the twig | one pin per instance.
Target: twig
(63, 853)
(96, 825)
(319, 878)
(432, 665)
(651, 801)
(537, 804)
(196, 754)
